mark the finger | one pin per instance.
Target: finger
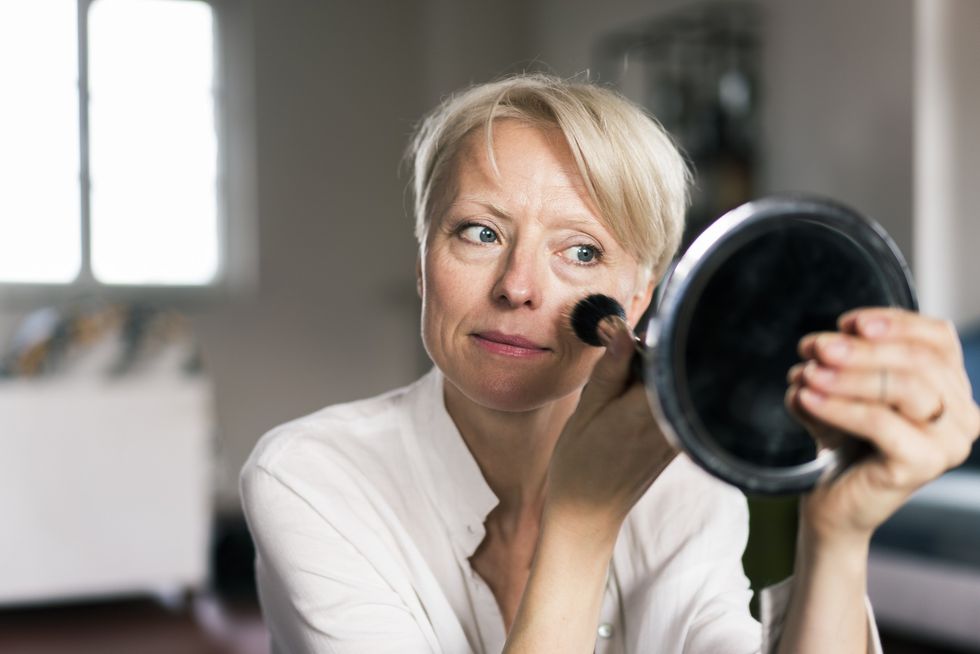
(907, 393)
(948, 382)
(939, 382)
(913, 455)
(836, 350)
(892, 323)
(840, 351)
(873, 422)
(611, 374)
(826, 437)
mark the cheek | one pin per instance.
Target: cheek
(629, 291)
(448, 293)
(617, 285)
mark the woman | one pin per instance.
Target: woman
(495, 504)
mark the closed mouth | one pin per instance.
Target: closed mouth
(510, 340)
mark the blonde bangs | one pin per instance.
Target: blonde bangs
(631, 169)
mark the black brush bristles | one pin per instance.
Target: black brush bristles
(589, 312)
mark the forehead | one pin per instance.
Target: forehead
(523, 162)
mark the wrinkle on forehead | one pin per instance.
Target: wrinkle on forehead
(564, 183)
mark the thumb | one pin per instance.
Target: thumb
(611, 375)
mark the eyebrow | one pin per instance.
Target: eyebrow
(501, 212)
(494, 208)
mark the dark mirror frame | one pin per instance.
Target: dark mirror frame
(666, 332)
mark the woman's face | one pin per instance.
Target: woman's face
(505, 260)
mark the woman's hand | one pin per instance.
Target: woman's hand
(895, 379)
(611, 449)
(608, 454)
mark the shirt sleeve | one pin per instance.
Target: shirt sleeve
(318, 592)
(722, 622)
(773, 603)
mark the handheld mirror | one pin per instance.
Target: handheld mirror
(726, 329)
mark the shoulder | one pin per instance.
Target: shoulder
(359, 435)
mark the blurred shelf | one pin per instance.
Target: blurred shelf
(106, 488)
(924, 569)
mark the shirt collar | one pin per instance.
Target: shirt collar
(456, 484)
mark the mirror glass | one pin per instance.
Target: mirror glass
(731, 316)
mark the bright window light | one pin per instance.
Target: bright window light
(40, 215)
(152, 142)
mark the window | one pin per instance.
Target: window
(108, 143)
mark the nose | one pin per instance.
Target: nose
(520, 279)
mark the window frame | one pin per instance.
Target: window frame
(237, 252)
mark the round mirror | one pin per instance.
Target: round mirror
(727, 326)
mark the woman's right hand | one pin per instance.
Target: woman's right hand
(611, 448)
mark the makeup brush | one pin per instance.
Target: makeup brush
(589, 312)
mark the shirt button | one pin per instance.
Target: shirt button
(605, 630)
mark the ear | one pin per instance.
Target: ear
(641, 299)
(418, 274)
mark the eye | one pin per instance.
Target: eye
(582, 254)
(478, 234)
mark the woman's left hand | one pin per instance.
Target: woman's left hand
(895, 379)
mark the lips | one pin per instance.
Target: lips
(508, 339)
(509, 344)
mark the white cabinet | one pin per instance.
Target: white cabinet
(105, 486)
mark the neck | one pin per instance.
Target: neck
(512, 449)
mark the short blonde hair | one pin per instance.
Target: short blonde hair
(630, 166)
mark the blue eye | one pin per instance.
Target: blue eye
(585, 253)
(479, 234)
(582, 254)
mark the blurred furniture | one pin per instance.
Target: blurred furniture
(697, 69)
(106, 433)
(924, 572)
(105, 488)
(924, 569)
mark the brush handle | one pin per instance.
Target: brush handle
(638, 360)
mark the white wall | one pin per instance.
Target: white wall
(838, 106)
(337, 86)
(467, 42)
(947, 218)
(837, 103)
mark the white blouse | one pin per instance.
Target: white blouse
(365, 515)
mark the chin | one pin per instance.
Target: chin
(511, 390)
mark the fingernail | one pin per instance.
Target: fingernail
(837, 349)
(614, 347)
(819, 374)
(607, 331)
(811, 396)
(614, 337)
(805, 346)
(874, 327)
